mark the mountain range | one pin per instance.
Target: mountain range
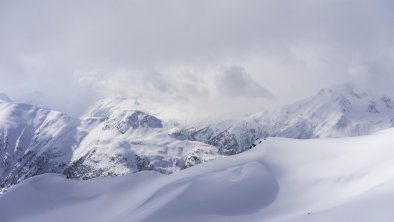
(118, 136)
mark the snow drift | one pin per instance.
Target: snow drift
(278, 180)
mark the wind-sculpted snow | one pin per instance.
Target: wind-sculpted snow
(287, 180)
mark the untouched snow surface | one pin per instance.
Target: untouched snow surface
(344, 179)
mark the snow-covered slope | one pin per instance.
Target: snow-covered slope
(334, 112)
(119, 135)
(340, 111)
(112, 139)
(343, 179)
(33, 141)
(122, 140)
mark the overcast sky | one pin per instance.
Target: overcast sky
(216, 56)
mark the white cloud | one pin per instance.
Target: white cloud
(234, 81)
(172, 49)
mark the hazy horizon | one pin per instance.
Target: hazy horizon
(219, 57)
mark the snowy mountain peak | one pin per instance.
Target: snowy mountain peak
(349, 97)
(344, 110)
(133, 119)
(123, 114)
(124, 135)
(141, 119)
(32, 141)
(106, 107)
(339, 111)
(348, 90)
(344, 99)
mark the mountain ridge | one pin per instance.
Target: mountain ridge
(339, 111)
(119, 135)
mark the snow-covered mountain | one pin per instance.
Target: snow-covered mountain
(286, 180)
(119, 135)
(120, 139)
(334, 112)
(33, 141)
(111, 139)
(339, 111)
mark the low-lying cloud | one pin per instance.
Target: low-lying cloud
(206, 52)
(235, 82)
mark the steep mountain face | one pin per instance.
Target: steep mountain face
(112, 139)
(121, 140)
(339, 111)
(33, 141)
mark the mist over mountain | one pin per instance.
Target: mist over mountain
(119, 135)
(4, 98)
(225, 110)
(221, 56)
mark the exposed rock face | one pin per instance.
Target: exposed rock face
(120, 140)
(133, 120)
